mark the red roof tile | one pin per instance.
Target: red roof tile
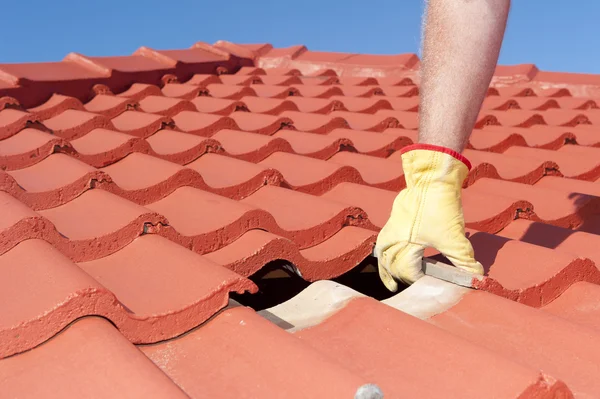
(148, 187)
(431, 354)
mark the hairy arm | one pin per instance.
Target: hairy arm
(461, 44)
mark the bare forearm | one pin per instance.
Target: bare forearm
(461, 43)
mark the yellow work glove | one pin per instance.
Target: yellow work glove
(427, 213)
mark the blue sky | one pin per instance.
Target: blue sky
(555, 35)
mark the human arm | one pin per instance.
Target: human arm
(461, 44)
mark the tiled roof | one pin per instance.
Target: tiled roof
(139, 192)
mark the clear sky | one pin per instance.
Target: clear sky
(555, 35)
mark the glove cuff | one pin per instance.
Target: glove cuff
(445, 150)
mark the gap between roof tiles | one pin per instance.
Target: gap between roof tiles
(424, 299)
(320, 300)
(278, 283)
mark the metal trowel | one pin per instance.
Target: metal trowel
(449, 273)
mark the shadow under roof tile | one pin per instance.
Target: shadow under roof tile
(135, 63)
(251, 70)
(229, 92)
(558, 206)
(333, 257)
(282, 71)
(393, 81)
(193, 55)
(102, 147)
(98, 223)
(529, 103)
(55, 105)
(181, 148)
(137, 91)
(144, 179)
(499, 138)
(12, 121)
(272, 91)
(407, 120)
(567, 117)
(558, 239)
(37, 72)
(68, 365)
(508, 166)
(271, 106)
(586, 135)
(183, 91)
(371, 143)
(21, 223)
(309, 220)
(490, 212)
(29, 147)
(240, 80)
(72, 124)
(310, 175)
(234, 178)
(202, 124)
(554, 92)
(315, 105)
(497, 103)
(408, 104)
(513, 118)
(376, 202)
(318, 80)
(580, 165)
(201, 79)
(165, 105)
(537, 103)
(337, 255)
(261, 123)
(515, 91)
(281, 80)
(51, 182)
(8, 102)
(527, 273)
(314, 145)
(140, 124)
(252, 147)
(357, 81)
(576, 103)
(368, 122)
(205, 222)
(319, 91)
(315, 123)
(360, 91)
(218, 106)
(108, 106)
(376, 172)
(406, 134)
(399, 91)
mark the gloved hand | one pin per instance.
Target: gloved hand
(427, 213)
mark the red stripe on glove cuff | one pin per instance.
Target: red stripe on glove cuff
(438, 148)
